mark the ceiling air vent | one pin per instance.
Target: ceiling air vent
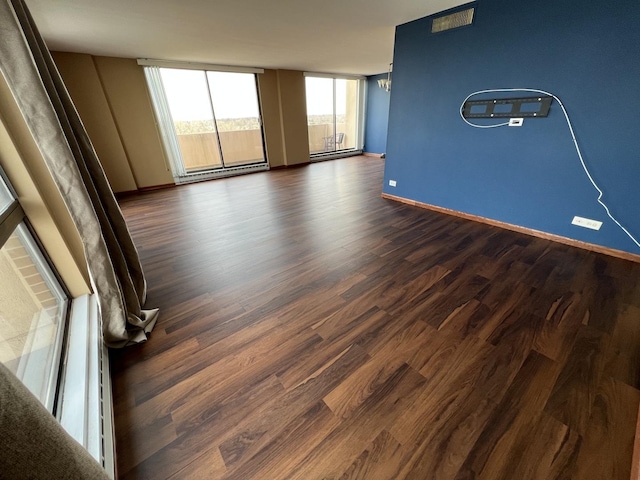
(453, 20)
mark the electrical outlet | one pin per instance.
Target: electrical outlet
(516, 122)
(392, 183)
(586, 223)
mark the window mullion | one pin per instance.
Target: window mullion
(9, 221)
(215, 121)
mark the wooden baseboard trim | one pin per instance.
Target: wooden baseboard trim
(157, 187)
(127, 193)
(369, 154)
(130, 193)
(515, 228)
(297, 165)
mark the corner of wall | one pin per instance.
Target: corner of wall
(127, 94)
(83, 82)
(112, 98)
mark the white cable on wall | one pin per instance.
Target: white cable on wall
(573, 136)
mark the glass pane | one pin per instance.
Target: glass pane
(5, 196)
(235, 103)
(320, 114)
(32, 314)
(188, 97)
(346, 113)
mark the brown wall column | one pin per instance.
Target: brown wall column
(113, 101)
(293, 107)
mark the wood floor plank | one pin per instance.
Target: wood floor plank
(298, 438)
(201, 408)
(382, 460)
(502, 300)
(510, 427)
(441, 397)
(261, 427)
(208, 427)
(140, 441)
(392, 301)
(443, 352)
(467, 318)
(345, 443)
(446, 422)
(607, 290)
(362, 383)
(573, 396)
(313, 360)
(208, 465)
(560, 327)
(607, 447)
(623, 354)
(549, 451)
(310, 329)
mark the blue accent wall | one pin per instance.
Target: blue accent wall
(585, 52)
(377, 117)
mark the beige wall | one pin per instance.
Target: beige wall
(293, 121)
(112, 99)
(39, 196)
(83, 83)
(351, 126)
(284, 117)
(126, 89)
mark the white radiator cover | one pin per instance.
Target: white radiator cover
(85, 404)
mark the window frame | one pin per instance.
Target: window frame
(11, 218)
(360, 114)
(166, 125)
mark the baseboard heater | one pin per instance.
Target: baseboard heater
(318, 157)
(220, 173)
(86, 403)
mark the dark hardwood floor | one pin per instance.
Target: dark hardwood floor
(310, 329)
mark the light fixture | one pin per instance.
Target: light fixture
(386, 82)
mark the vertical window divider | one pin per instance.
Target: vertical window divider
(215, 121)
(335, 123)
(262, 135)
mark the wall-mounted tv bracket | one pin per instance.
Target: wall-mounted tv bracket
(530, 107)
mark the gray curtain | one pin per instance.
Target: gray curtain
(112, 259)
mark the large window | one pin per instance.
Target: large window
(210, 120)
(33, 305)
(333, 114)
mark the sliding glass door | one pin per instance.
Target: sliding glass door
(215, 118)
(235, 102)
(333, 114)
(320, 114)
(189, 102)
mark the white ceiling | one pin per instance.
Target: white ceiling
(334, 36)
